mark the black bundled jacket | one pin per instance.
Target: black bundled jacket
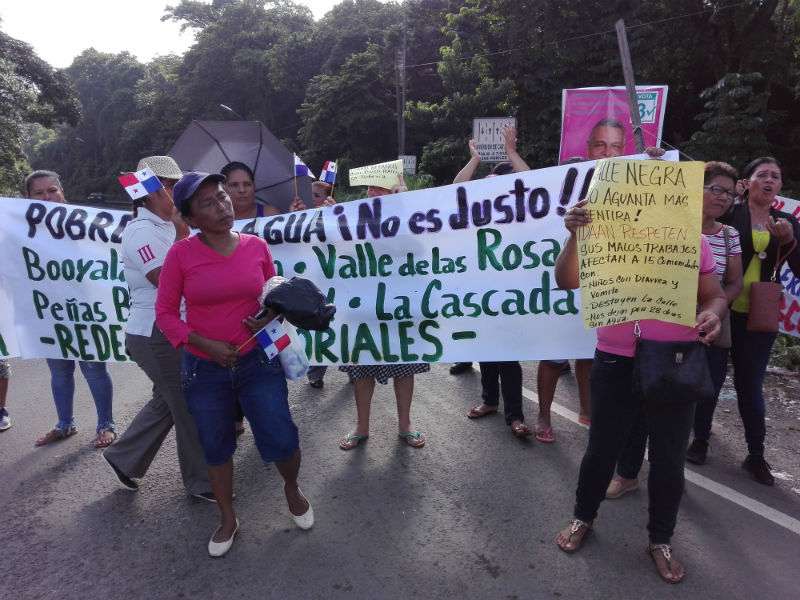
(739, 218)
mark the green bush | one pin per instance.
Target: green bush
(786, 353)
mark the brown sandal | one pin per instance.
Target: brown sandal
(55, 435)
(476, 412)
(520, 430)
(577, 529)
(669, 569)
(105, 437)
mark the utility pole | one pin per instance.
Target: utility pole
(627, 71)
(400, 91)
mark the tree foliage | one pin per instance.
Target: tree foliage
(30, 92)
(328, 87)
(735, 120)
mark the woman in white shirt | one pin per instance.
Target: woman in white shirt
(145, 243)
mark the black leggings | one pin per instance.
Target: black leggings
(615, 411)
(508, 376)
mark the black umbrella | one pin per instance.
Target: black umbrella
(209, 145)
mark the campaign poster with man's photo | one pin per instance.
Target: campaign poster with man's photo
(596, 123)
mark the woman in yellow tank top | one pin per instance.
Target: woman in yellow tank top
(763, 231)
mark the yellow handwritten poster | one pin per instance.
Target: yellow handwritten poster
(383, 175)
(640, 256)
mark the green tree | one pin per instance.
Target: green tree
(472, 88)
(89, 155)
(253, 56)
(350, 114)
(735, 120)
(30, 92)
(194, 14)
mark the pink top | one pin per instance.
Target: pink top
(220, 291)
(619, 339)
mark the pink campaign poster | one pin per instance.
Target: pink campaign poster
(595, 121)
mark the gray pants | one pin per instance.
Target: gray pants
(138, 446)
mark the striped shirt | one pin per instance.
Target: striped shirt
(717, 243)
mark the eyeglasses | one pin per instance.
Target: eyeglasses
(720, 191)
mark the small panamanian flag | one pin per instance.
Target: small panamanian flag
(328, 173)
(300, 168)
(273, 338)
(140, 183)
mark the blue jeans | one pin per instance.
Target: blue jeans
(62, 382)
(259, 386)
(750, 355)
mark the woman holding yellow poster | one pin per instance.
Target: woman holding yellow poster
(616, 406)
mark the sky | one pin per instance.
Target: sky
(59, 30)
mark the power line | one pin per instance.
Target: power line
(582, 36)
(347, 96)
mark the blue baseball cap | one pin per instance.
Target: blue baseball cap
(188, 185)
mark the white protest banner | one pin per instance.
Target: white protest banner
(63, 274)
(8, 335)
(790, 307)
(456, 273)
(488, 139)
(461, 272)
(385, 175)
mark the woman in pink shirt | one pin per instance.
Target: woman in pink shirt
(220, 274)
(615, 408)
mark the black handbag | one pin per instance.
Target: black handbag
(302, 303)
(671, 373)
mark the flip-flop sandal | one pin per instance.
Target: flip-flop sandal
(103, 441)
(666, 552)
(575, 526)
(521, 430)
(545, 435)
(476, 413)
(351, 440)
(415, 439)
(55, 435)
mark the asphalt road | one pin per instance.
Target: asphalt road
(471, 515)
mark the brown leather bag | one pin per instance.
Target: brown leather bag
(765, 299)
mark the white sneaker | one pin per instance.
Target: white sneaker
(5, 420)
(217, 549)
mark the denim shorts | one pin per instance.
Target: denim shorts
(259, 385)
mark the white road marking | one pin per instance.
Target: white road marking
(707, 484)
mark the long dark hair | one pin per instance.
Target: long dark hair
(748, 171)
(751, 167)
(237, 166)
